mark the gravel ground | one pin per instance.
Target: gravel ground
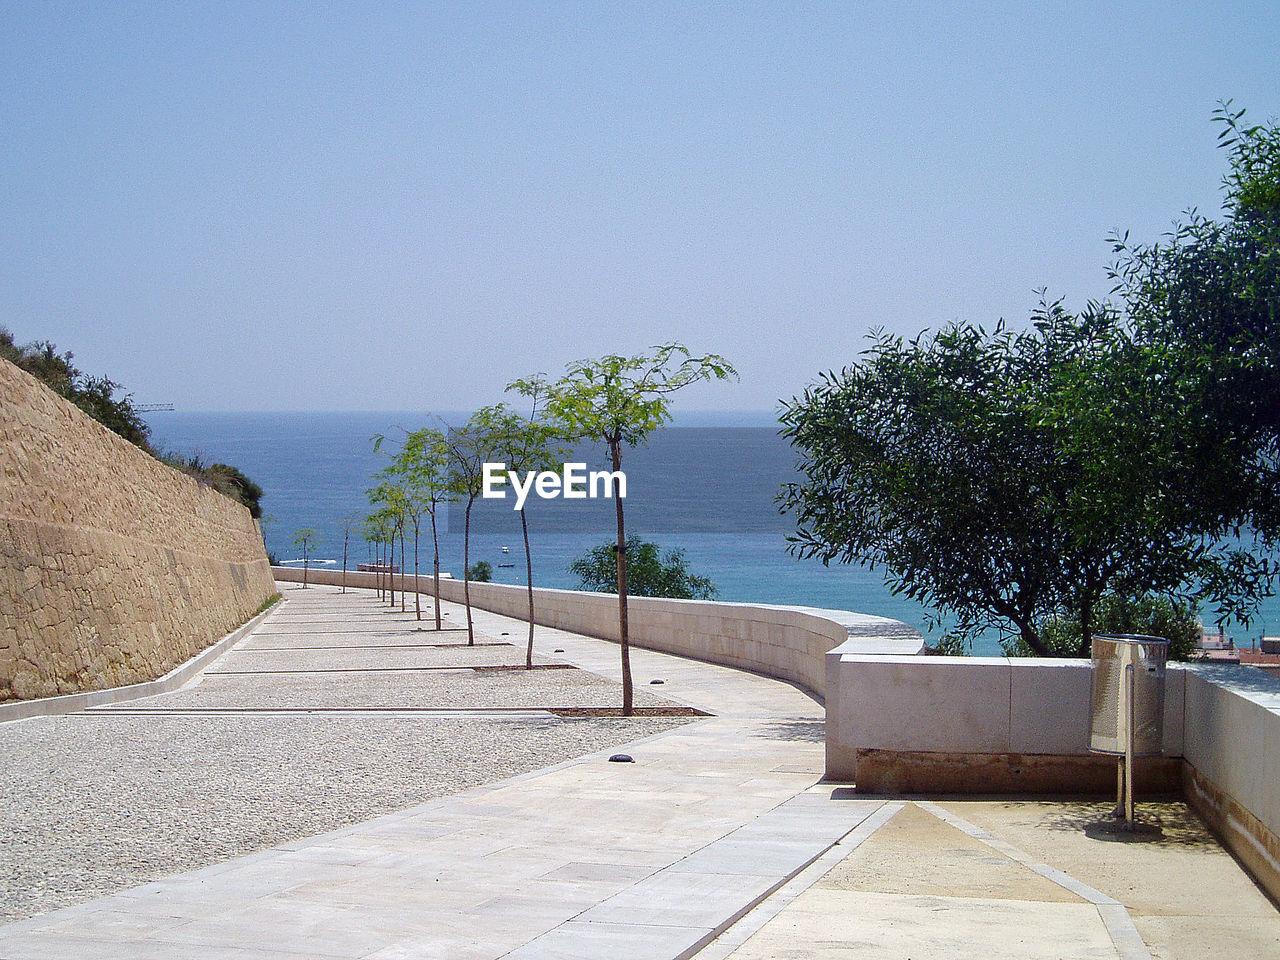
(282, 640)
(432, 689)
(101, 801)
(365, 658)
(92, 805)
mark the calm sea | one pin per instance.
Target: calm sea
(707, 490)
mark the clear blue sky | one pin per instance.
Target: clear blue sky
(266, 206)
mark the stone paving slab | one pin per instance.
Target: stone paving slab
(715, 842)
(487, 871)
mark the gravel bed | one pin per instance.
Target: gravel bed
(370, 658)
(372, 625)
(431, 689)
(279, 641)
(93, 805)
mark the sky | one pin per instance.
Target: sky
(329, 206)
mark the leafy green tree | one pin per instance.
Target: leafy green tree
(306, 540)
(1207, 298)
(1040, 482)
(618, 401)
(650, 573)
(481, 571)
(1013, 478)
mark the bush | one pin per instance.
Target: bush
(100, 399)
(1151, 616)
(649, 573)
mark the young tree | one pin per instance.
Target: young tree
(375, 534)
(346, 524)
(649, 572)
(422, 466)
(394, 511)
(380, 528)
(306, 540)
(526, 444)
(619, 401)
(470, 447)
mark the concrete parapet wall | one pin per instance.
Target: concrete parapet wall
(785, 642)
(114, 568)
(1005, 725)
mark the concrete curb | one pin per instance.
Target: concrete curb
(175, 678)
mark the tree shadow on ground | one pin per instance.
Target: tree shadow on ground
(1161, 824)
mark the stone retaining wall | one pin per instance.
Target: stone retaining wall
(114, 568)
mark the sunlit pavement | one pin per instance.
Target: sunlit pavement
(717, 841)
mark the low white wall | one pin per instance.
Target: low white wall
(984, 705)
(951, 718)
(785, 642)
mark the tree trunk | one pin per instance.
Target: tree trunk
(346, 539)
(1086, 629)
(615, 451)
(391, 568)
(435, 562)
(528, 569)
(402, 568)
(466, 571)
(417, 588)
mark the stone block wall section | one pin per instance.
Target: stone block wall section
(784, 642)
(114, 568)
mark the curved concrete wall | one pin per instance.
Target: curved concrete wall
(114, 568)
(785, 642)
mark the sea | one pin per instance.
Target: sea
(705, 485)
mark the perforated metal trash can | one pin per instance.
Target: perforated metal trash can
(1112, 656)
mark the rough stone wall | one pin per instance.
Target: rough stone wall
(114, 568)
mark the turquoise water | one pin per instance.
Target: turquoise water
(707, 490)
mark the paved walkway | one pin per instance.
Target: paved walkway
(717, 841)
(640, 859)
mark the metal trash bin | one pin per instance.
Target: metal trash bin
(1127, 709)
